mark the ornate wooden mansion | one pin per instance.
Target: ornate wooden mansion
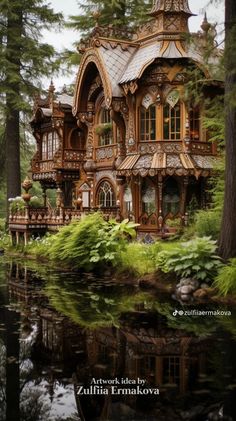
(131, 142)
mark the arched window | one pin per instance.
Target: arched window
(148, 123)
(171, 197)
(106, 196)
(172, 122)
(148, 197)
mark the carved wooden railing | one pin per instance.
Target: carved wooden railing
(68, 159)
(203, 148)
(180, 146)
(72, 158)
(54, 218)
(105, 153)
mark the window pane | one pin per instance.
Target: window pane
(148, 123)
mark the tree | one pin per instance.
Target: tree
(24, 59)
(122, 13)
(227, 241)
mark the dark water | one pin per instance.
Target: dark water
(60, 331)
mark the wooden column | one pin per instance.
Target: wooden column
(160, 198)
(184, 196)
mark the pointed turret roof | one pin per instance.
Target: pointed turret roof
(171, 6)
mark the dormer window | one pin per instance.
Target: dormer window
(50, 144)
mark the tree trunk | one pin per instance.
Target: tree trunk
(13, 154)
(227, 241)
(13, 77)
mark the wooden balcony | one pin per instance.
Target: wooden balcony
(68, 159)
(46, 219)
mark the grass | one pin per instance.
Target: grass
(140, 259)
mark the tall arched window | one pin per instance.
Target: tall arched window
(106, 195)
(171, 197)
(148, 123)
(172, 122)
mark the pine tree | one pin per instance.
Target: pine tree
(24, 59)
(227, 243)
(118, 13)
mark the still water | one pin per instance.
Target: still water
(61, 332)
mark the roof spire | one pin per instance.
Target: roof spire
(51, 90)
(205, 24)
(171, 6)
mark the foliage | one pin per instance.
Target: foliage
(90, 306)
(39, 246)
(139, 258)
(225, 281)
(17, 204)
(35, 57)
(195, 258)
(91, 242)
(35, 202)
(173, 223)
(103, 129)
(207, 222)
(24, 60)
(119, 12)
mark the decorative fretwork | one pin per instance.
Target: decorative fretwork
(105, 153)
(105, 32)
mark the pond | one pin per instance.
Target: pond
(79, 348)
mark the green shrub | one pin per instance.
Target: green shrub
(39, 246)
(2, 224)
(195, 258)
(207, 223)
(225, 281)
(35, 202)
(92, 242)
(16, 204)
(139, 258)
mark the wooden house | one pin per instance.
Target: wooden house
(131, 141)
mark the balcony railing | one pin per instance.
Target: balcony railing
(180, 146)
(52, 219)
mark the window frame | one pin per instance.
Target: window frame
(49, 145)
(109, 198)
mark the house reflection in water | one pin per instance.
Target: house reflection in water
(173, 360)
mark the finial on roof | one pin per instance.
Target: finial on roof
(51, 94)
(96, 15)
(51, 87)
(205, 24)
